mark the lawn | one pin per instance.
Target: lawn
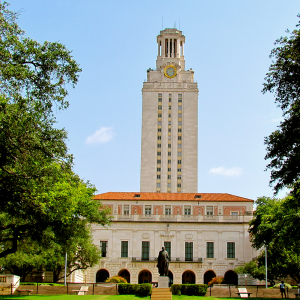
(112, 297)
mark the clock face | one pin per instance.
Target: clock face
(170, 71)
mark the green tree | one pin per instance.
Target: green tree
(283, 79)
(276, 223)
(42, 200)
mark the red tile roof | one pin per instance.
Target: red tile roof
(171, 197)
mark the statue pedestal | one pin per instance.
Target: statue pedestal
(163, 282)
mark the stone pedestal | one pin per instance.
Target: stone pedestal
(163, 282)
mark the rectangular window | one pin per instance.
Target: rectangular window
(179, 170)
(170, 115)
(158, 153)
(169, 169)
(210, 250)
(179, 138)
(145, 250)
(209, 210)
(169, 153)
(158, 145)
(159, 137)
(169, 176)
(169, 122)
(159, 107)
(179, 123)
(158, 176)
(188, 251)
(179, 115)
(159, 130)
(169, 161)
(158, 169)
(158, 185)
(179, 129)
(179, 176)
(179, 162)
(148, 209)
(159, 97)
(230, 250)
(180, 107)
(103, 248)
(169, 185)
(187, 210)
(159, 115)
(169, 145)
(234, 213)
(124, 248)
(126, 210)
(179, 153)
(159, 161)
(159, 123)
(179, 146)
(168, 210)
(168, 248)
(179, 185)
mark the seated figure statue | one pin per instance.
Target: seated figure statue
(163, 262)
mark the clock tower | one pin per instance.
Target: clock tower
(169, 154)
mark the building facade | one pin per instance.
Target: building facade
(169, 146)
(206, 235)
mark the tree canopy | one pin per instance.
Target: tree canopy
(42, 199)
(283, 79)
(276, 224)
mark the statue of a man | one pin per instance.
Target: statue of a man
(163, 262)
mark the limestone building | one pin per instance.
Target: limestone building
(169, 121)
(205, 234)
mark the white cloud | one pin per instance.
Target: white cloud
(276, 120)
(101, 136)
(226, 172)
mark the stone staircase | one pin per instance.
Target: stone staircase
(161, 294)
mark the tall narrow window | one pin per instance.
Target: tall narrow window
(168, 210)
(145, 250)
(103, 248)
(168, 248)
(209, 210)
(126, 209)
(188, 251)
(124, 248)
(230, 250)
(187, 210)
(148, 210)
(210, 250)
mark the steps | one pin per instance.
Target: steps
(161, 294)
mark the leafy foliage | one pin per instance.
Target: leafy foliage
(42, 201)
(116, 279)
(276, 223)
(283, 79)
(216, 280)
(189, 289)
(141, 290)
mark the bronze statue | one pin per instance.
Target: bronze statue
(163, 262)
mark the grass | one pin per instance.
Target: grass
(112, 297)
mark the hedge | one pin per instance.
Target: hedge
(141, 290)
(189, 289)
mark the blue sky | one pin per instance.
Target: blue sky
(227, 44)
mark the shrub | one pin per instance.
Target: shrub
(286, 285)
(116, 279)
(141, 290)
(189, 289)
(216, 280)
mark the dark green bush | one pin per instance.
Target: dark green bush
(141, 290)
(189, 289)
